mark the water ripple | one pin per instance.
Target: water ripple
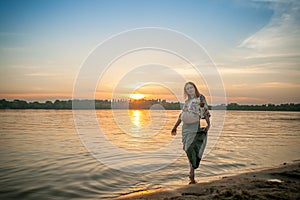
(42, 156)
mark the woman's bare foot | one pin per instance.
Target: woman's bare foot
(192, 175)
(192, 179)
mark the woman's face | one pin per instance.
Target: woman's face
(190, 90)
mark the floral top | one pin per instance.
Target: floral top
(197, 106)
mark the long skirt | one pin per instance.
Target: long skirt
(194, 141)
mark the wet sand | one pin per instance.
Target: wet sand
(282, 182)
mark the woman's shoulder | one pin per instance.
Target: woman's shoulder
(201, 97)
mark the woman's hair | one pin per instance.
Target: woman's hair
(196, 90)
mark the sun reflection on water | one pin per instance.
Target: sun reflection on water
(134, 130)
(135, 116)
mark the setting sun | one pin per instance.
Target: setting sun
(137, 96)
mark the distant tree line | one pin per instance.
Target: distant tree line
(88, 104)
(135, 104)
(265, 107)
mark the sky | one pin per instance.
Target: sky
(254, 44)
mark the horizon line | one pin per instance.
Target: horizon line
(143, 99)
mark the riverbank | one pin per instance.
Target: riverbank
(142, 104)
(282, 182)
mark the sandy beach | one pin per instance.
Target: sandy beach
(282, 182)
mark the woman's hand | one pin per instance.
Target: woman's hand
(174, 131)
(207, 127)
(207, 122)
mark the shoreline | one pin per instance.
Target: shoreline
(98, 104)
(281, 182)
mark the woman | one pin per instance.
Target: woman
(193, 136)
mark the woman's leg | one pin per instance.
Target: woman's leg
(192, 174)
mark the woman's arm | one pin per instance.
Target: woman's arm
(174, 130)
(207, 122)
(206, 111)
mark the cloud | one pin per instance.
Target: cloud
(278, 85)
(24, 67)
(39, 74)
(280, 37)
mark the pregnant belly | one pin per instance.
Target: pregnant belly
(189, 118)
